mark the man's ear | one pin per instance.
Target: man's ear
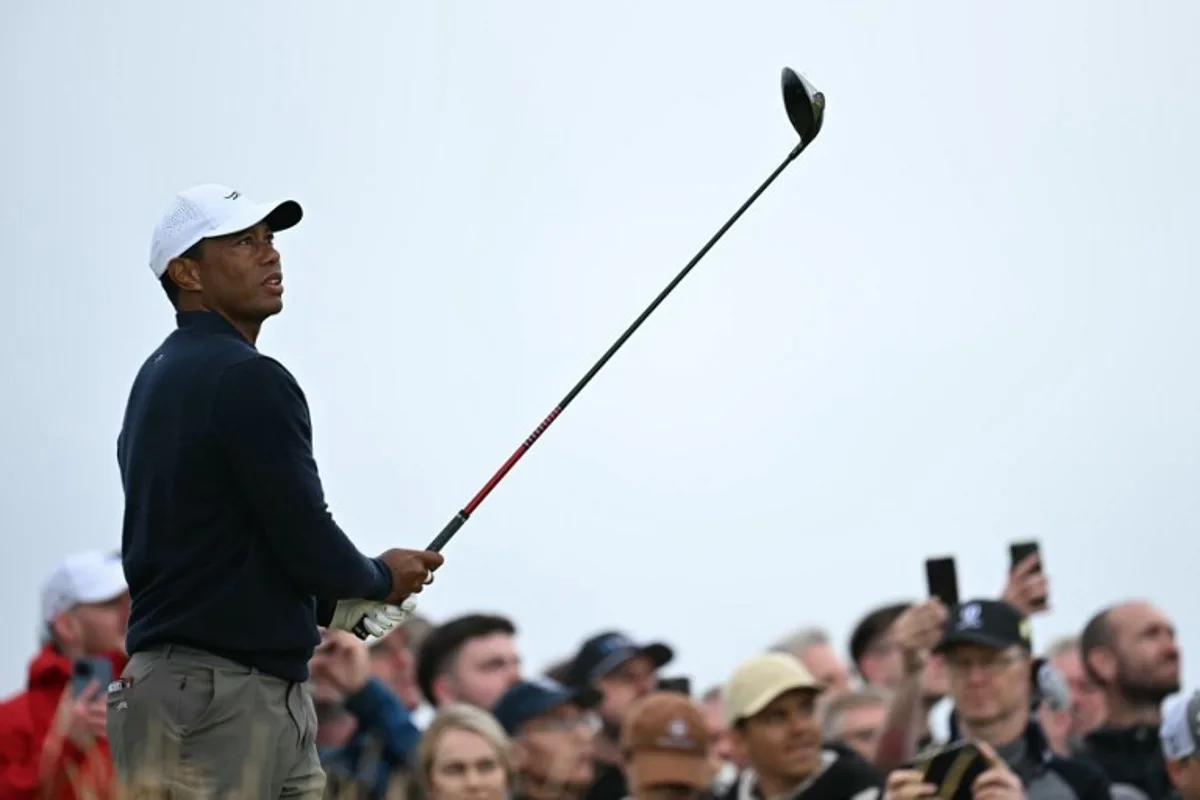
(866, 668)
(441, 691)
(737, 738)
(1103, 663)
(185, 273)
(520, 755)
(65, 628)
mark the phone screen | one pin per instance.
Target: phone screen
(953, 769)
(942, 578)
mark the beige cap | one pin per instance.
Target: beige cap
(757, 682)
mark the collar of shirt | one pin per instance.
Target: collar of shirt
(207, 322)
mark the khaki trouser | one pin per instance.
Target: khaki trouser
(183, 723)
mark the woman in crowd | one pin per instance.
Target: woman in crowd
(464, 755)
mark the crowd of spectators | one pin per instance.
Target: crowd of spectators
(449, 710)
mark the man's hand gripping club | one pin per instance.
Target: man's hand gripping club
(412, 571)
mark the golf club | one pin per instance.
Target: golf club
(805, 108)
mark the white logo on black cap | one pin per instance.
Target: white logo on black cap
(970, 616)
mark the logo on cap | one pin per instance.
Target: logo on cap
(614, 643)
(676, 736)
(970, 616)
(234, 195)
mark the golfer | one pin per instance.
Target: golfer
(229, 550)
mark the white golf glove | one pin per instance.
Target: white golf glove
(368, 618)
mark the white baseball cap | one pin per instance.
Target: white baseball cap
(209, 210)
(91, 577)
(1180, 731)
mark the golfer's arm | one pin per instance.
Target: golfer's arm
(261, 418)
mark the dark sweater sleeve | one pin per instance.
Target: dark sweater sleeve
(261, 418)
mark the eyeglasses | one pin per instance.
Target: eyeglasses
(988, 665)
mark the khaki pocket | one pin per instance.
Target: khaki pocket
(196, 695)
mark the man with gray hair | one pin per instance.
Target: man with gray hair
(813, 649)
(855, 718)
(1086, 704)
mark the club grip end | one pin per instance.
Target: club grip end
(443, 538)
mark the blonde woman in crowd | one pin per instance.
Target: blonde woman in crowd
(464, 755)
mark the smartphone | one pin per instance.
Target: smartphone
(681, 686)
(942, 578)
(1018, 552)
(952, 769)
(87, 670)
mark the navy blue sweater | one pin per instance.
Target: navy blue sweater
(228, 544)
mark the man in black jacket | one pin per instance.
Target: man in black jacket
(1130, 651)
(770, 706)
(230, 552)
(987, 652)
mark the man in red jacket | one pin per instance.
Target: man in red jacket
(52, 743)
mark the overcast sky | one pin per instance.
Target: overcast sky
(965, 316)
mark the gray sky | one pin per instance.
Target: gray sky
(964, 316)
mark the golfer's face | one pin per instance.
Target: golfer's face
(241, 274)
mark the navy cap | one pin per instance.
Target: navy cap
(529, 699)
(987, 623)
(605, 652)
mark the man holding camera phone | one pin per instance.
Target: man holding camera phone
(987, 652)
(52, 736)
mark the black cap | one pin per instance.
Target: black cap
(987, 623)
(604, 652)
(529, 699)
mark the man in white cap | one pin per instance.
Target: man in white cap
(52, 737)
(1180, 736)
(232, 556)
(770, 706)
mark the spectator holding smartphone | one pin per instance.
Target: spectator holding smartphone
(52, 735)
(987, 651)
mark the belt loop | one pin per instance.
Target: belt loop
(167, 650)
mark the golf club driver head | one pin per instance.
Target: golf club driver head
(804, 104)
